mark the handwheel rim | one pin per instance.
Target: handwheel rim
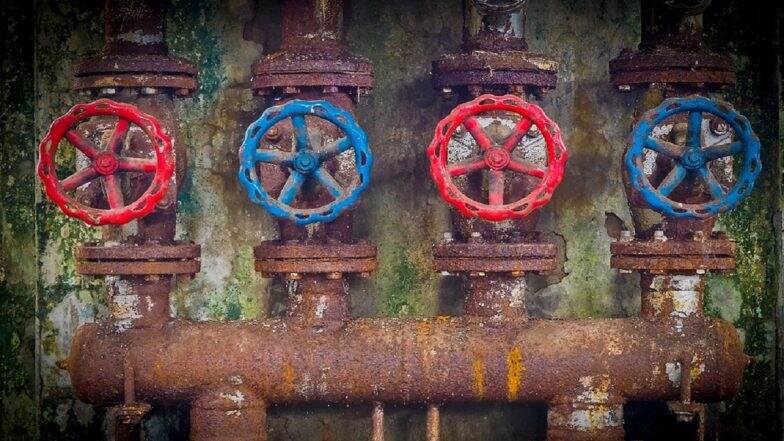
(551, 176)
(695, 158)
(107, 164)
(306, 162)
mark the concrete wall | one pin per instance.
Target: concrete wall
(42, 301)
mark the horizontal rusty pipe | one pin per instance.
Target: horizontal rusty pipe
(407, 360)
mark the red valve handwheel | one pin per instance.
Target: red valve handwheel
(497, 156)
(106, 163)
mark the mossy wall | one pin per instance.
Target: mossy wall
(42, 301)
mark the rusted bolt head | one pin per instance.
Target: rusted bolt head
(62, 364)
(517, 273)
(719, 127)
(273, 134)
(334, 275)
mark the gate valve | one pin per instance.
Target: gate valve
(107, 163)
(305, 162)
(693, 159)
(496, 157)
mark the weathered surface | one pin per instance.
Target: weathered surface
(401, 39)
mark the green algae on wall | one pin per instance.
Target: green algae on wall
(750, 301)
(401, 212)
(18, 270)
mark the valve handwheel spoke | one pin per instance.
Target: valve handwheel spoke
(106, 163)
(694, 158)
(497, 158)
(305, 162)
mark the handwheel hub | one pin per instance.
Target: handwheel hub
(105, 163)
(692, 160)
(305, 162)
(497, 158)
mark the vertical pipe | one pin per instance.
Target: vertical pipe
(433, 423)
(496, 295)
(671, 297)
(580, 421)
(228, 414)
(139, 301)
(378, 422)
(312, 25)
(134, 28)
(317, 299)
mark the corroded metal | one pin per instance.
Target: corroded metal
(407, 360)
(494, 257)
(274, 257)
(671, 52)
(135, 54)
(673, 255)
(232, 413)
(494, 58)
(312, 54)
(138, 259)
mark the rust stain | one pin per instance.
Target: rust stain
(514, 375)
(423, 330)
(288, 377)
(478, 368)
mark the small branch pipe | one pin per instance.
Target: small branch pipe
(378, 422)
(433, 428)
(407, 361)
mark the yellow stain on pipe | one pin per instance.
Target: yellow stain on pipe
(514, 372)
(288, 377)
(478, 368)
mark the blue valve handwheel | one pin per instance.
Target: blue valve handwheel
(693, 158)
(305, 162)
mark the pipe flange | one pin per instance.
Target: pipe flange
(486, 72)
(135, 71)
(136, 260)
(513, 258)
(285, 72)
(670, 67)
(659, 256)
(273, 257)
